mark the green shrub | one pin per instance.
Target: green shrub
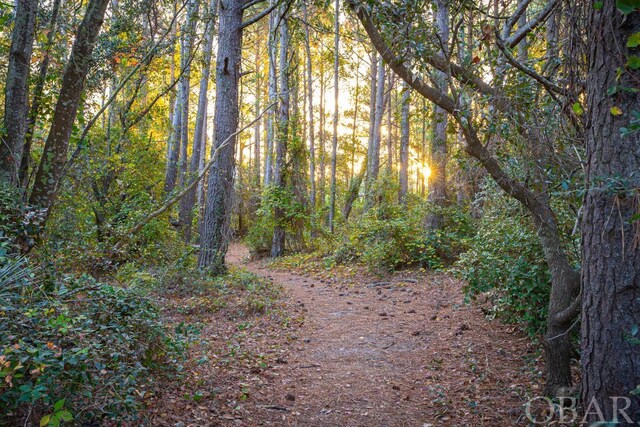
(505, 262)
(390, 236)
(76, 347)
(295, 220)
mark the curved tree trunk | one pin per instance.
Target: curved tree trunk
(54, 156)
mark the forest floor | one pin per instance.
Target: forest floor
(341, 347)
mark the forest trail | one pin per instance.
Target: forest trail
(409, 353)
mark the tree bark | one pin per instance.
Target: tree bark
(173, 146)
(404, 144)
(610, 226)
(438, 164)
(312, 129)
(273, 95)
(16, 105)
(279, 231)
(217, 213)
(336, 112)
(188, 202)
(38, 92)
(564, 279)
(373, 157)
(54, 155)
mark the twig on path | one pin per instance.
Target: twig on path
(277, 408)
(389, 346)
(308, 366)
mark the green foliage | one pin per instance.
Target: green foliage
(390, 236)
(295, 219)
(77, 348)
(505, 262)
(18, 224)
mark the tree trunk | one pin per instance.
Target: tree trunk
(438, 183)
(54, 155)
(563, 306)
(188, 202)
(321, 136)
(257, 130)
(38, 92)
(336, 112)
(404, 145)
(273, 95)
(610, 225)
(373, 156)
(390, 90)
(173, 147)
(312, 129)
(217, 213)
(16, 105)
(278, 241)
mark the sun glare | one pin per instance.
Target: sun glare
(426, 171)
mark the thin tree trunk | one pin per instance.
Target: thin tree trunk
(16, 105)
(37, 95)
(217, 213)
(188, 34)
(54, 155)
(404, 144)
(279, 235)
(173, 147)
(321, 136)
(390, 90)
(336, 112)
(312, 145)
(188, 202)
(438, 184)
(273, 94)
(374, 155)
(610, 226)
(257, 130)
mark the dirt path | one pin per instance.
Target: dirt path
(406, 354)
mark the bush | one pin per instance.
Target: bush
(295, 220)
(76, 348)
(389, 237)
(505, 262)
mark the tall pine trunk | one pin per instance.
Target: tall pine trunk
(336, 112)
(278, 241)
(188, 202)
(610, 226)
(273, 95)
(217, 213)
(373, 156)
(438, 183)
(404, 144)
(312, 145)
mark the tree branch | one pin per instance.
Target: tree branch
(548, 84)
(260, 15)
(175, 199)
(531, 24)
